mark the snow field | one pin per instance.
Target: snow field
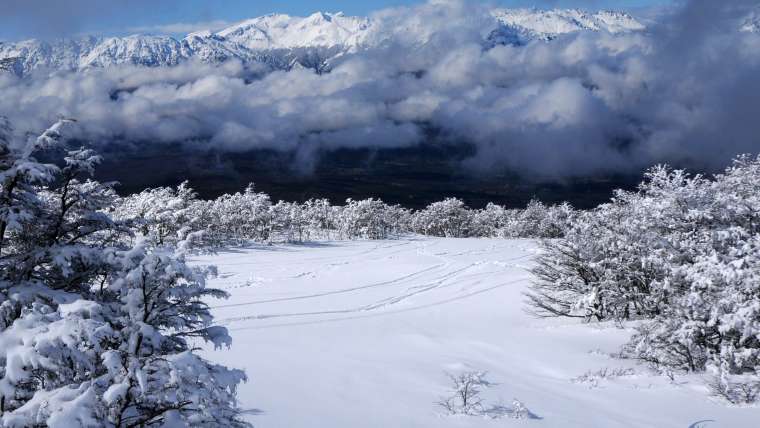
(362, 334)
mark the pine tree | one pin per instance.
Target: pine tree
(94, 330)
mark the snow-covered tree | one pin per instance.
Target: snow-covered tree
(615, 260)
(538, 220)
(94, 331)
(290, 221)
(712, 317)
(490, 221)
(165, 214)
(447, 218)
(121, 354)
(683, 254)
(465, 395)
(322, 218)
(237, 218)
(367, 219)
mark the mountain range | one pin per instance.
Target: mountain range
(282, 42)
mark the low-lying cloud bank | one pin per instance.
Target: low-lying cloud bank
(686, 90)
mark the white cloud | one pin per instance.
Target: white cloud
(181, 28)
(580, 104)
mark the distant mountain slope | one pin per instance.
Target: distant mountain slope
(548, 24)
(287, 32)
(281, 41)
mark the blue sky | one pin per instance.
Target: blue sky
(53, 18)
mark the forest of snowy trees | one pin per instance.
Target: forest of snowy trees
(100, 314)
(168, 214)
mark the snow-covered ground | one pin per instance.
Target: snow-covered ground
(362, 334)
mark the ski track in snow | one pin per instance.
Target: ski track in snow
(360, 334)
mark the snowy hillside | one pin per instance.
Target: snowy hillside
(548, 24)
(281, 41)
(362, 334)
(279, 31)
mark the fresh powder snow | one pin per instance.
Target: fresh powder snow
(366, 334)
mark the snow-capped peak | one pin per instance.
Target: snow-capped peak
(279, 31)
(547, 24)
(201, 34)
(283, 41)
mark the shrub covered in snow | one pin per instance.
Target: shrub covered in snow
(449, 218)
(538, 220)
(465, 399)
(683, 252)
(368, 219)
(235, 218)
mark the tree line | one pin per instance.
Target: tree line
(167, 214)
